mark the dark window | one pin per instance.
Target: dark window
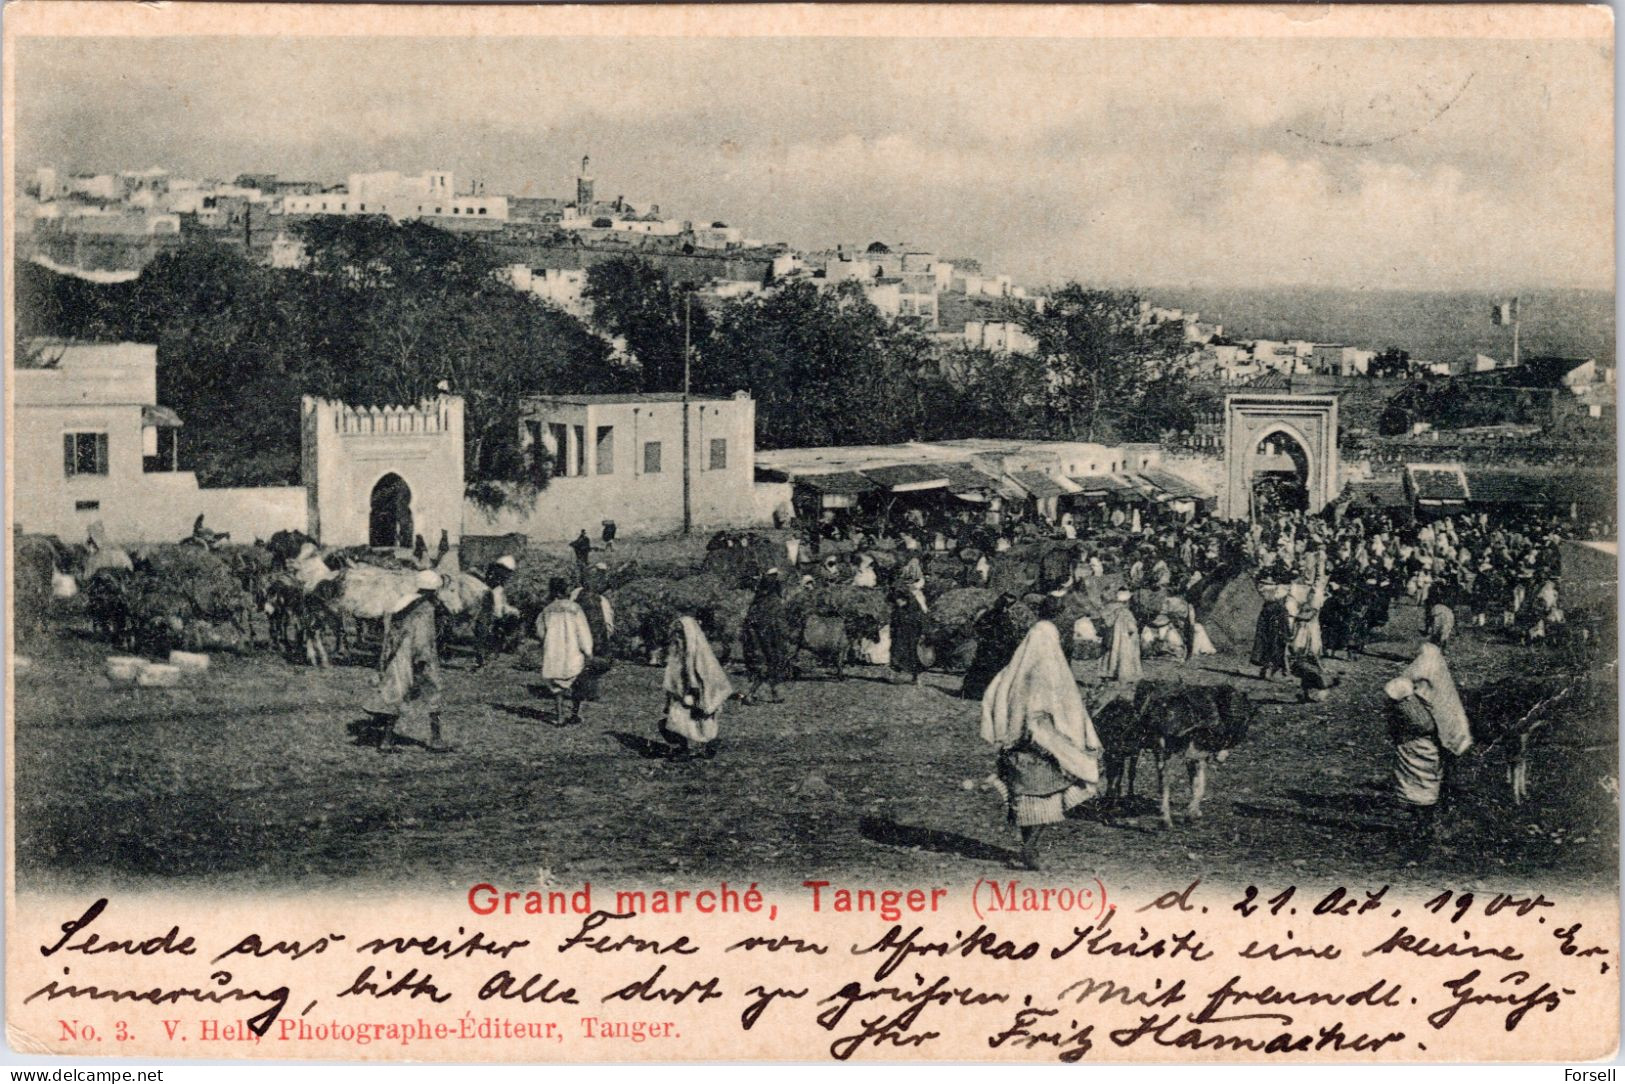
(579, 467)
(533, 437)
(651, 457)
(84, 453)
(606, 449)
(168, 456)
(87, 506)
(560, 437)
(719, 454)
(482, 210)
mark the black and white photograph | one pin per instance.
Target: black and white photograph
(520, 460)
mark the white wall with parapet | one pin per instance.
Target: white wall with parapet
(348, 450)
(640, 501)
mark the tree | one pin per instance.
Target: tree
(1099, 355)
(383, 314)
(823, 365)
(404, 310)
(636, 300)
(1391, 362)
(1168, 403)
(984, 393)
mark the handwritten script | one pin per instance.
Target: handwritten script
(999, 970)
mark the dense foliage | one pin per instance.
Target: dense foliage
(390, 313)
(382, 313)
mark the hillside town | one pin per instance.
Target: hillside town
(655, 441)
(1506, 419)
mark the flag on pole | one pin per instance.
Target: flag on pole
(1505, 313)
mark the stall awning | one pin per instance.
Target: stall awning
(964, 478)
(1041, 486)
(1146, 488)
(1443, 483)
(838, 483)
(159, 417)
(906, 478)
(1175, 486)
(1541, 488)
(1379, 493)
(1115, 487)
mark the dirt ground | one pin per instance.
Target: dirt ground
(251, 777)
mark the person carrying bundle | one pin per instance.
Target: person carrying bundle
(409, 680)
(1048, 752)
(498, 622)
(766, 638)
(696, 688)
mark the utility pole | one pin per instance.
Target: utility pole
(688, 312)
(1516, 317)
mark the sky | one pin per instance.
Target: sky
(1131, 162)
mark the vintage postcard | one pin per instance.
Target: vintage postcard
(935, 533)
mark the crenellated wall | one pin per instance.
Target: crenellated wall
(348, 451)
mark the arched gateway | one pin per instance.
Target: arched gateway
(380, 476)
(1280, 451)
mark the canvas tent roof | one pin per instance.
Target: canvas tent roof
(1041, 485)
(907, 477)
(1117, 486)
(964, 478)
(1175, 486)
(1531, 487)
(1437, 482)
(1383, 493)
(844, 482)
(159, 416)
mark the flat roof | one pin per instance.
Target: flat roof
(627, 397)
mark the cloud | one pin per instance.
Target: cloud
(1394, 163)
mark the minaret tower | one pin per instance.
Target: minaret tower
(584, 188)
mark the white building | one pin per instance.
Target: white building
(1336, 359)
(431, 195)
(563, 287)
(620, 457)
(90, 444)
(999, 336)
(100, 186)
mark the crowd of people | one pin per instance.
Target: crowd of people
(1126, 586)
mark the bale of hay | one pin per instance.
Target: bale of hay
(643, 615)
(1015, 571)
(479, 550)
(953, 614)
(862, 610)
(718, 606)
(527, 587)
(745, 559)
(951, 634)
(124, 668)
(1232, 616)
(189, 661)
(192, 575)
(158, 675)
(35, 561)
